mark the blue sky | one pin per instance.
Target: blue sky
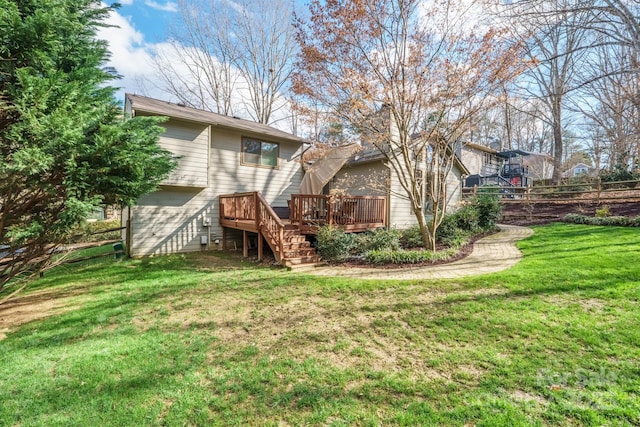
(140, 32)
(149, 17)
(137, 34)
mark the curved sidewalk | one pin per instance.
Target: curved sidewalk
(490, 254)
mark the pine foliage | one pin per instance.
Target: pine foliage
(65, 147)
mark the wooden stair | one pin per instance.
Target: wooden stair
(297, 250)
(250, 212)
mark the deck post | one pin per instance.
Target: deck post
(245, 244)
(224, 238)
(257, 210)
(235, 207)
(260, 248)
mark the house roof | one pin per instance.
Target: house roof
(164, 108)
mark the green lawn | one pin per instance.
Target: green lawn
(209, 340)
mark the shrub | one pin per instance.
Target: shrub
(619, 173)
(621, 221)
(489, 211)
(603, 212)
(449, 234)
(376, 240)
(574, 218)
(411, 238)
(479, 215)
(333, 244)
(407, 257)
(467, 218)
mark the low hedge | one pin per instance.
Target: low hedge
(407, 257)
(620, 221)
(376, 240)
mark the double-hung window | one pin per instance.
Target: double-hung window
(259, 153)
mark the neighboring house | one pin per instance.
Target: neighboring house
(581, 169)
(504, 168)
(480, 160)
(368, 174)
(216, 155)
(540, 166)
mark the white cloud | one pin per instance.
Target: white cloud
(133, 59)
(130, 55)
(169, 6)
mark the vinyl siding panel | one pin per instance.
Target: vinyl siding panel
(400, 211)
(372, 178)
(375, 179)
(369, 179)
(454, 190)
(190, 143)
(472, 159)
(275, 184)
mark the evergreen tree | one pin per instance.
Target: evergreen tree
(65, 147)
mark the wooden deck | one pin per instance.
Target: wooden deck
(307, 212)
(250, 212)
(351, 213)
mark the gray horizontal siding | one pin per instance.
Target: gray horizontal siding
(171, 219)
(401, 214)
(369, 179)
(190, 143)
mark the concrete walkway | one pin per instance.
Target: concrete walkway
(490, 254)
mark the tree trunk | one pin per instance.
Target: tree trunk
(557, 140)
(427, 233)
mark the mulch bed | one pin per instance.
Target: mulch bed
(464, 251)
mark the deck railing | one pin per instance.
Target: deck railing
(251, 212)
(352, 213)
(239, 207)
(271, 226)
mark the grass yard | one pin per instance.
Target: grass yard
(210, 340)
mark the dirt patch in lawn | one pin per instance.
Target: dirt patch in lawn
(358, 332)
(35, 306)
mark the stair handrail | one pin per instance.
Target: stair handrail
(505, 180)
(270, 223)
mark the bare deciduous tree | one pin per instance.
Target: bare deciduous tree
(230, 57)
(514, 123)
(615, 105)
(556, 37)
(411, 78)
